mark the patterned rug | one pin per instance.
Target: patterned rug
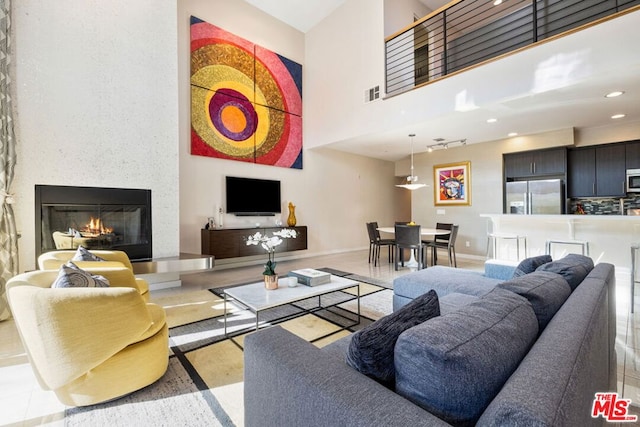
(204, 382)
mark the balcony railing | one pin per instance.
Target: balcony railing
(468, 32)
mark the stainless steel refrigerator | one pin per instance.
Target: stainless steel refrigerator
(535, 197)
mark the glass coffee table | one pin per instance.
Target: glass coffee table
(258, 299)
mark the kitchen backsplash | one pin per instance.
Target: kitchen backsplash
(605, 206)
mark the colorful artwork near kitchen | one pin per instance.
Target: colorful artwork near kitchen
(246, 101)
(452, 184)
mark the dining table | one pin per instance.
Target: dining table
(424, 232)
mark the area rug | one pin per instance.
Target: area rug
(173, 400)
(188, 307)
(204, 382)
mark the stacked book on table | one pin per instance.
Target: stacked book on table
(311, 277)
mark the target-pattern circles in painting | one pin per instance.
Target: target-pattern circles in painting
(246, 101)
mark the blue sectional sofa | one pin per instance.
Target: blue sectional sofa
(530, 350)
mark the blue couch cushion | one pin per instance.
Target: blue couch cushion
(529, 265)
(573, 267)
(444, 280)
(545, 291)
(371, 348)
(455, 364)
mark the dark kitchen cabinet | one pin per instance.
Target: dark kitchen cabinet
(610, 170)
(536, 163)
(581, 173)
(633, 155)
(596, 171)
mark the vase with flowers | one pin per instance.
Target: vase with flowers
(269, 244)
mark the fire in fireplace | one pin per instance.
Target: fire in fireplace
(96, 227)
(94, 217)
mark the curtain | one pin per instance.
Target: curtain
(8, 232)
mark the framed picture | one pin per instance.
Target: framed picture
(452, 184)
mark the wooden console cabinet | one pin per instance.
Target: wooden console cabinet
(231, 242)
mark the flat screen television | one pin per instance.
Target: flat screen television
(252, 197)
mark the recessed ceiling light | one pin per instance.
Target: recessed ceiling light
(513, 134)
(497, 2)
(618, 116)
(614, 94)
(492, 120)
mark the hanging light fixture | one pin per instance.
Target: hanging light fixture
(412, 180)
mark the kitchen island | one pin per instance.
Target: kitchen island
(610, 237)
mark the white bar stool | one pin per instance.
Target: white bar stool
(584, 245)
(634, 251)
(493, 238)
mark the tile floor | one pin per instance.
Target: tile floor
(23, 403)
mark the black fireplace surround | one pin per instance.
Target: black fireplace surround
(94, 217)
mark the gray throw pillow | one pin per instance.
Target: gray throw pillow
(71, 276)
(529, 265)
(545, 291)
(83, 254)
(371, 349)
(455, 364)
(573, 267)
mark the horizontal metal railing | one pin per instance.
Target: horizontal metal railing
(467, 32)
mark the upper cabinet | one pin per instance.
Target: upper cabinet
(538, 163)
(633, 155)
(581, 174)
(597, 171)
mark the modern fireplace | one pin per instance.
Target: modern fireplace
(94, 217)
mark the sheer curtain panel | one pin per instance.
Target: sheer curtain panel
(8, 232)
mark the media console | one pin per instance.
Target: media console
(232, 242)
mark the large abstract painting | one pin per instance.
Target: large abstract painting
(246, 101)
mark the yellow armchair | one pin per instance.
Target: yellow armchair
(88, 345)
(112, 259)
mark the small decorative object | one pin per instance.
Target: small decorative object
(211, 223)
(269, 244)
(220, 214)
(291, 220)
(452, 184)
(311, 277)
(271, 282)
(293, 282)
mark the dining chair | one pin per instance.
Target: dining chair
(408, 237)
(444, 241)
(375, 242)
(442, 238)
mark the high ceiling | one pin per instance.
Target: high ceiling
(577, 102)
(304, 14)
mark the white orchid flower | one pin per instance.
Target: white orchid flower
(269, 244)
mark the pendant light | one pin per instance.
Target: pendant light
(412, 180)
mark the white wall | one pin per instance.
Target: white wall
(398, 14)
(96, 105)
(345, 57)
(335, 193)
(623, 131)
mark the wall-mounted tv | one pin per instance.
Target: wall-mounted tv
(252, 197)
